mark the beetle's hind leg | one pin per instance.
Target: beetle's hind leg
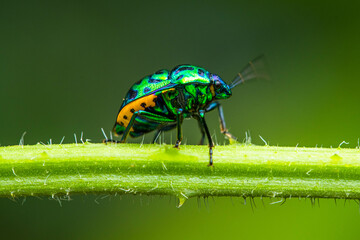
(110, 140)
(223, 128)
(151, 117)
(106, 140)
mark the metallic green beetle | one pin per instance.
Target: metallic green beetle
(162, 101)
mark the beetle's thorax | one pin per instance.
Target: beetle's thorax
(189, 97)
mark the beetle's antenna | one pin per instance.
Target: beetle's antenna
(255, 69)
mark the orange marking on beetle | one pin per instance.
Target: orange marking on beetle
(128, 110)
(212, 90)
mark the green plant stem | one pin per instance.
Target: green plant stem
(239, 170)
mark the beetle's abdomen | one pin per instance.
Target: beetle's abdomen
(128, 110)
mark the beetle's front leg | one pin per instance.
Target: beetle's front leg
(223, 128)
(178, 123)
(211, 144)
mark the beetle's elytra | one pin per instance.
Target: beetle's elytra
(162, 101)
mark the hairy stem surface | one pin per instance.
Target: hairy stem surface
(239, 170)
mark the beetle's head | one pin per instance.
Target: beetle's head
(221, 89)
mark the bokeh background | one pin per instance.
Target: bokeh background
(66, 65)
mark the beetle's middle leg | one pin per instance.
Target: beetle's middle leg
(223, 128)
(178, 124)
(211, 144)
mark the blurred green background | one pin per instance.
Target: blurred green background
(66, 65)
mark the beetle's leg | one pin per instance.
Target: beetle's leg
(211, 144)
(162, 129)
(145, 115)
(178, 124)
(129, 126)
(110, 140)
(223, 128)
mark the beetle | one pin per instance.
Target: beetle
(162, 101)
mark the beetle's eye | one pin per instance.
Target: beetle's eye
(217, 84)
